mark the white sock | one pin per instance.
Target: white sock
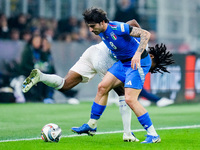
(52, 80)
(151, 131)
(125, 113)
(92, 123)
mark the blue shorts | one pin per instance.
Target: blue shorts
(131, 78)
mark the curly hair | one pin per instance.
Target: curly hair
(162, 58)
(95, 15)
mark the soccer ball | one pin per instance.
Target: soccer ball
(51, 133)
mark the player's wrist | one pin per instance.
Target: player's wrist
(138, 53)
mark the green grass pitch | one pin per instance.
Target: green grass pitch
(25, 121)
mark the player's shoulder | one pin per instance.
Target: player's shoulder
(101, 46)
(96, 47)
(118, 27)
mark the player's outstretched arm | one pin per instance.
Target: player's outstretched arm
(144, 38)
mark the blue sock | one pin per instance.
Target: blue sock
(149, 96)
(97, 111)
(145, 121)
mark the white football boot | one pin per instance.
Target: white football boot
(31, 80)
(129, 137)
(164, 102)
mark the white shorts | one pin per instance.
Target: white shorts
(97, 59)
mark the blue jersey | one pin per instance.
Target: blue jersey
(117, 38)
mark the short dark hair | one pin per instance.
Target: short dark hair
(162, 58)
(95, 15)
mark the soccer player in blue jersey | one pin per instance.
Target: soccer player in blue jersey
(95, 60)
(128, 45)
(159, 55)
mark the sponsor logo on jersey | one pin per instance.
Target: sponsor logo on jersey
(129, 83)
(114, 27)
(122, 28)
(102, 38)
(114, 37)
(112, 45)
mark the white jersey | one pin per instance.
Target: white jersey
(97, 59)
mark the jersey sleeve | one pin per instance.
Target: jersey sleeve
(124, 29)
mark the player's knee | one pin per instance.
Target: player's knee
(102, 89)
(130, 100)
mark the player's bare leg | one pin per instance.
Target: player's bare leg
(131, 96)
(109, 82)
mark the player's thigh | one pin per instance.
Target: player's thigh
(85, 68)
(109, 82)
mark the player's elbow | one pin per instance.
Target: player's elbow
(147, 34)
(132, 22)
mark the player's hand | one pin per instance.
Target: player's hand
(135, 61)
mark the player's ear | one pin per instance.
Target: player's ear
(101, 24)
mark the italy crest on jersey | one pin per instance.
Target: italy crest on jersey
(114, 37)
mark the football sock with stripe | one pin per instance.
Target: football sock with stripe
(96, 113)
(145, 121)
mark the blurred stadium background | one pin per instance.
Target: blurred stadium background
(174, 23)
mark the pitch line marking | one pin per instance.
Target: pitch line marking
(111, 132)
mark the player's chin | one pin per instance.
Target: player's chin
(96, 33)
